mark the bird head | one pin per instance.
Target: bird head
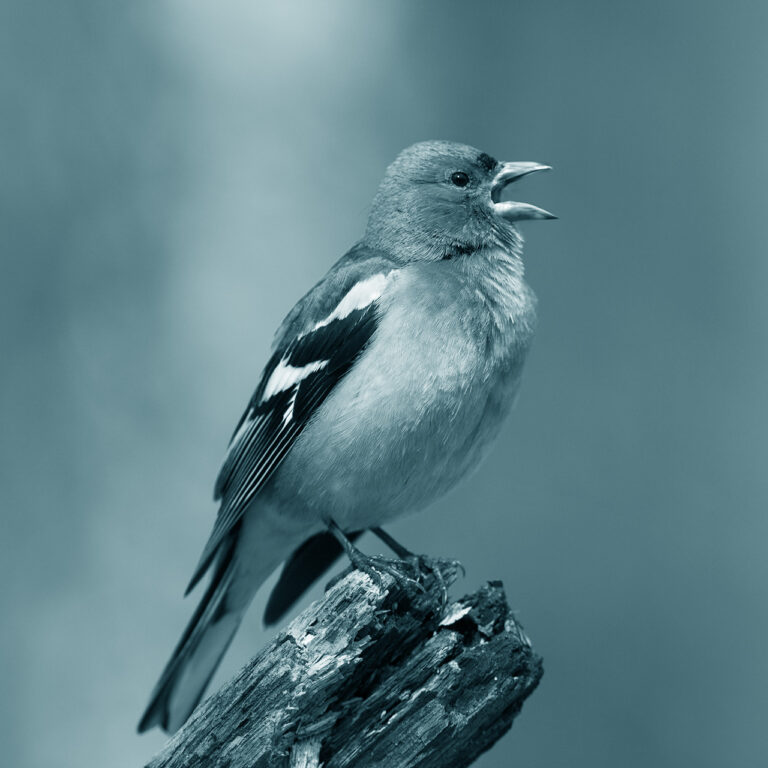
(439, 197)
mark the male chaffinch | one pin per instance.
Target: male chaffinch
(387, 382)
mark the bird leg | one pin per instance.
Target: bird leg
(373, 565)
(422, 563)
(407, 566)
(394, 545)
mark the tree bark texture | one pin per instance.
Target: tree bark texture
(380, 672)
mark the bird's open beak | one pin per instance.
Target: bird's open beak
(510, 210)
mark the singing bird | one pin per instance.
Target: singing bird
(387, 383)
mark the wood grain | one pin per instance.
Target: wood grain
(380, 672)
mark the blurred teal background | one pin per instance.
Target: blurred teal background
(175, 175)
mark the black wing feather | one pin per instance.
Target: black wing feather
(308, 562)
(276, 423)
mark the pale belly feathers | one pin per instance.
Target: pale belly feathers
(420, 406)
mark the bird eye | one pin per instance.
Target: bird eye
(460, 179)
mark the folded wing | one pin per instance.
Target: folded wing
(305, 367)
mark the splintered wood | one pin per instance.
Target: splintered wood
(380, 672)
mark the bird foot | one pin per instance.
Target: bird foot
(420, 571)
(407, 568)
(443, 571)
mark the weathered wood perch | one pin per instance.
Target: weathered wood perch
(374, 674)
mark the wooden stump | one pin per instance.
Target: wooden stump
(378, 673)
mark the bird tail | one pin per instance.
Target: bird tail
(198, 653)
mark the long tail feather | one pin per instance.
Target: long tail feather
(198, 653)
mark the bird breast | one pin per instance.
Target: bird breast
(423, 402)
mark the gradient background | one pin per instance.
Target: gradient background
(175, 175)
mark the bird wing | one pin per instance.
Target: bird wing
(316, 347)
(307, 564)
